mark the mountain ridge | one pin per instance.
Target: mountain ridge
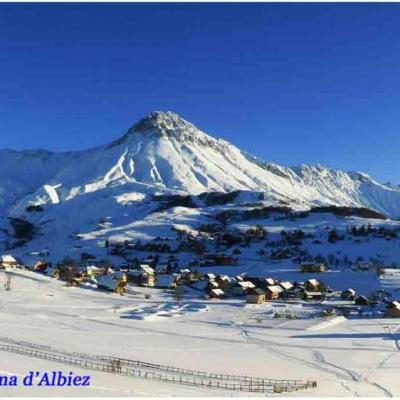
(164, 152)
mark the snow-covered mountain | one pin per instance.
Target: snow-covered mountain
(75, 200)
(163, 152)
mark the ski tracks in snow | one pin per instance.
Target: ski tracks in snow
(320, 364)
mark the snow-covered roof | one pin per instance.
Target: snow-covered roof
(275, 289)
(217, 292)
(107, 281)
(310, 293)
(8, 259)
(144, 269)
(246, 284)
(93, 268)
(147, 269)
(165, 280)
(270, 281)
(391, 271)
(286, 285)
(257, 291)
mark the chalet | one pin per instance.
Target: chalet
(40, 266)
(312, 267)
(362, 301)
(393, 309)
(393, 304)
(8, 261)
(348, 294)
(242, 287)
(217, 294)
(212, 285)
(310, 295)
(112, 282)
(209, 277)
(167, 281)
(256, 280)
(273, 292)
(68, 273)
(255, 296)
(313, 285)
(185, 274)
(189, 276)
(224, 282)
(93, 271)
(263, 283)
(142, 276)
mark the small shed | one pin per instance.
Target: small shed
(255, 296)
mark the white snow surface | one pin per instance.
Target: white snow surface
(358, 357)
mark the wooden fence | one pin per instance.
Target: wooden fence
(169, 374)
(202, 374)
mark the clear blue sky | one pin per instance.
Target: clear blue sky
(290, 83)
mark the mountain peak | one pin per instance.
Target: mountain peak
(164, 121)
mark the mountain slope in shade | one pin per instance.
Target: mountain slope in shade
(165, 153)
